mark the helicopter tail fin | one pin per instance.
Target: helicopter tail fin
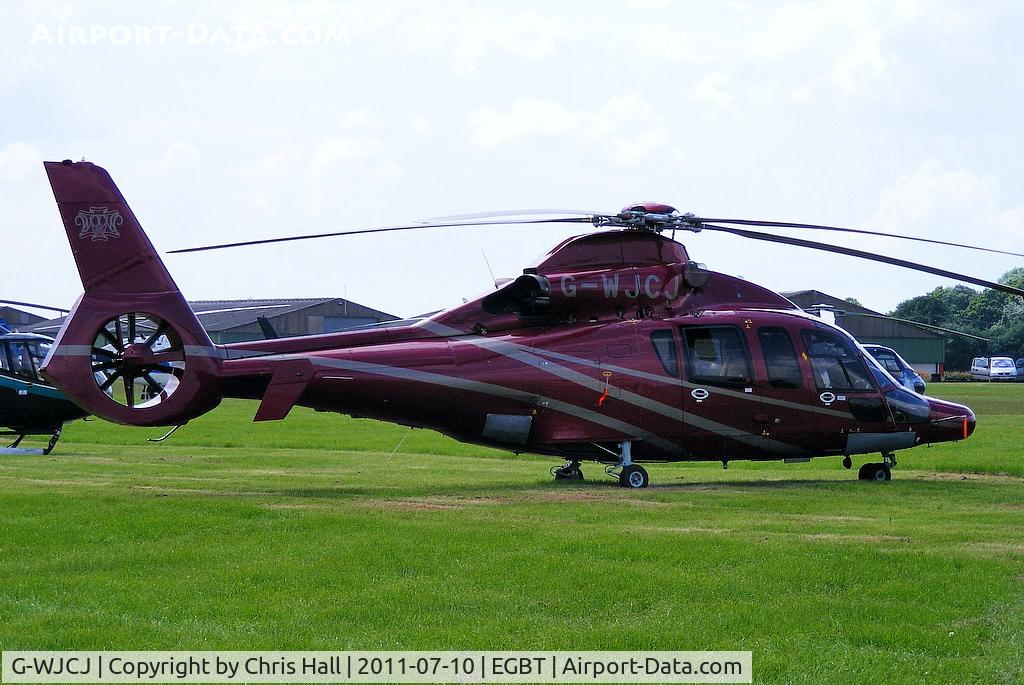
(131, 350)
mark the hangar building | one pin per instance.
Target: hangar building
(229, 321)
(16, 318)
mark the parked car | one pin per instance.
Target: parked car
(897, 367)
(993, 369)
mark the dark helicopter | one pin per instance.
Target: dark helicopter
(30, 404)
(614, 347)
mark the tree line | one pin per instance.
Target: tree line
(986, 313)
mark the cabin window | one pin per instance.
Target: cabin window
(780, 358)
(5, 364)
(835, 362)
(716, 355)
(21, 361)
(665, 348)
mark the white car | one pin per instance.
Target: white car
(993, 369)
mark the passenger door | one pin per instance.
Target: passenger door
(718, 392)
(787, 412)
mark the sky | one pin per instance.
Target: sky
(243, 120)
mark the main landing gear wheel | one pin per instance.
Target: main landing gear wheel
(634, 476)
(569, 471)
(879, 473)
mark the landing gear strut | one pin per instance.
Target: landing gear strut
(629, 475)
(14, 449)
(569, 471)
(879, 472)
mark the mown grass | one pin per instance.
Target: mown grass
(328, 533)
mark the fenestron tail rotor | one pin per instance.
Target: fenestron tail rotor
(138, 360)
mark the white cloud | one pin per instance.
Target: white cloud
(626, 127)
(357, 118)
(419, 124)
(18, 161)
(530, 35)
(35, 236)
(339, 151)
(864, 58)
(951, 204)
(933, 188)
(712, 90)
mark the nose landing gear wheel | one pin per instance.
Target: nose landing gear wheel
(634, 476)
(880, 473)
(570, 471)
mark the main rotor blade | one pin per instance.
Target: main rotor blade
(849, 251)
(408, 227)
(818, 227)
(516, 212)
(34, 306)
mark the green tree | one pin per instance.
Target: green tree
(987, 313)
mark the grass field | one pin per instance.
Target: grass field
(322, 532)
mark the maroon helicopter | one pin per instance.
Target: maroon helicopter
(614, 347)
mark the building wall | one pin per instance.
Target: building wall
(18, 318)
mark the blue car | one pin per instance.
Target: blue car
(897, 367)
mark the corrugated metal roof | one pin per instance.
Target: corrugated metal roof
(227, 314)
(861, 327)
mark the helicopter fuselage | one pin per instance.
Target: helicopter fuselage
(614, 346)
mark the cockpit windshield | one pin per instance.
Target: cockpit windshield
(835, 360)
(22, 358)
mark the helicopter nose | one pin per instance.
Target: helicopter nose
(969, 423)
(953, 421)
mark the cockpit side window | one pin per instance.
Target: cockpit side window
(779, 358)
(835, 362)
(665, 348)
(5, 363)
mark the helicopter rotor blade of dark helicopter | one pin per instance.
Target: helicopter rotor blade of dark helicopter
(385, 229)
(817, 227)
(849, 251)
(35, 306)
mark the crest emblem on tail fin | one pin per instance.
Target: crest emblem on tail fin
(99, 223)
